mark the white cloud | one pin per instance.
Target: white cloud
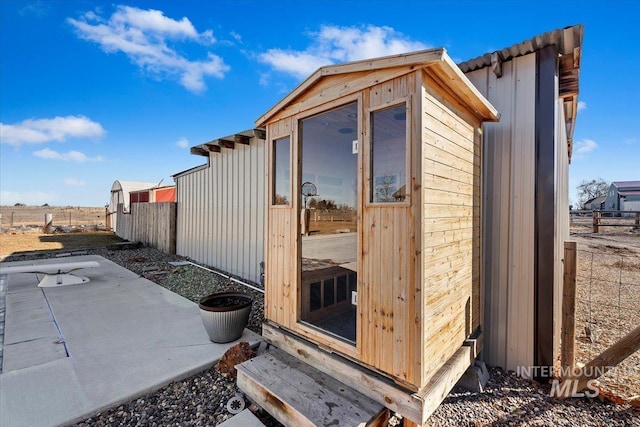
(183, 143)
(334, 44)
(37, 8)
(582, 105)
(584, 146)
(72, 182)
(630, 141)
(38, 131)
(70, 156)
(264, 80)
(143, 35)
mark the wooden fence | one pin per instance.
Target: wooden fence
(613, 220)
(153, 224)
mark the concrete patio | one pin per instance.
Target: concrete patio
(71, 351)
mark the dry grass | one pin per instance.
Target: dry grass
(22, 229)
(608, 300)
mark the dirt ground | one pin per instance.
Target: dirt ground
(14, 242)
(608, 298)
(22, 229)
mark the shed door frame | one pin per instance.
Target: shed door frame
(304, 329)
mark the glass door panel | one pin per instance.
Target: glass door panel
(329, 188)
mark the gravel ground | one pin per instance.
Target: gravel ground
(201, 400)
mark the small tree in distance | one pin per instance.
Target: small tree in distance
(588, 190)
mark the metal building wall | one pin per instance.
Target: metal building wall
(508, 226)
(561, 219)
(221, 211)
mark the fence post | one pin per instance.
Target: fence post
(567, 349)
(637, 225)
(596, 221)
(608, 359)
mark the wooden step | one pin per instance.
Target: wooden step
(297, 394)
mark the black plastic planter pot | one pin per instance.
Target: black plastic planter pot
(225, 315)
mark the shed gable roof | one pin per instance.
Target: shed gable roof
(395, 65)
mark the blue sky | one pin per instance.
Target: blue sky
(91, 92)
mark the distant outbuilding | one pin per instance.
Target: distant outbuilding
(623, 196)
(120, 195)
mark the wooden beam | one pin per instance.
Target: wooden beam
(608, 359)
(569, 306)
(260, 133)
(199, 151)
(226, 143)
(496, 64)
(212, 148)
(241, 139)
(443, 381)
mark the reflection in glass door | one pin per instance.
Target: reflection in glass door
(329, 189)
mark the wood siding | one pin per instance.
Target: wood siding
(282, 240)
(451, 174)
(388, 301)
(509, 190)
(153, 224)
(221, 220)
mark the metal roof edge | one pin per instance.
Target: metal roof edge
(190, 170)
(567, 41)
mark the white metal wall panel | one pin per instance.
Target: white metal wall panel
(221, 211)
(561, 219)
(509, 189)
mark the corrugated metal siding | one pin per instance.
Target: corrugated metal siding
(221, 211)
(561, 220)
(508, 226)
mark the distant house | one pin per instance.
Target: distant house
(594, 204)
(623, 196)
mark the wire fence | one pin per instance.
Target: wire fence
(608, 308)
(34, 216)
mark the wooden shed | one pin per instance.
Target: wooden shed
(388, 288)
